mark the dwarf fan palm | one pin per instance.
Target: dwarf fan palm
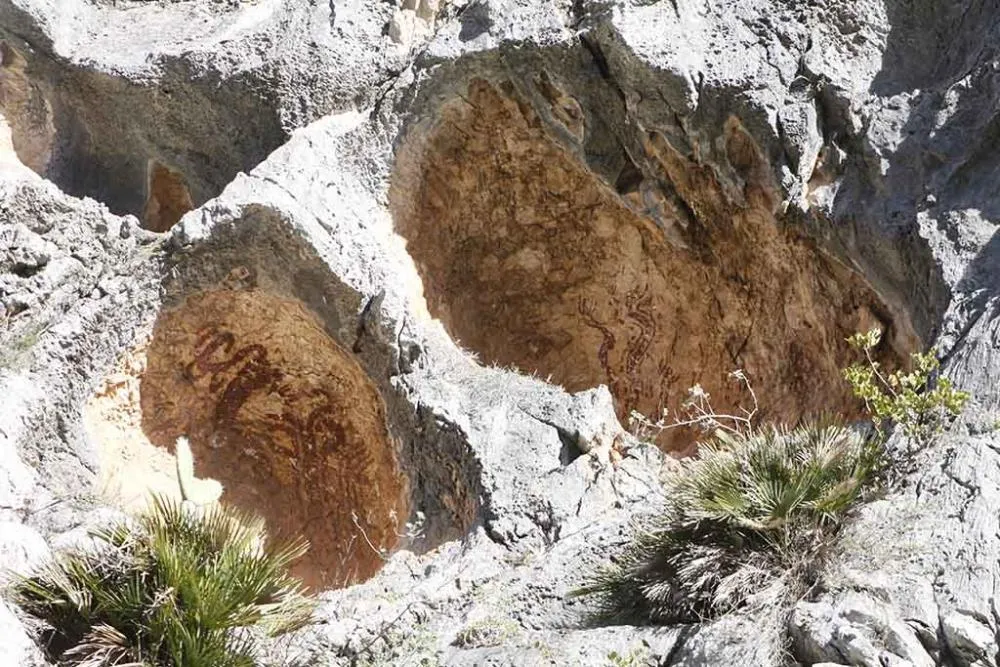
(176, 587)
(739, 517)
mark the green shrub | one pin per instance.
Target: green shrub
(906, 399)
(748, 521)
(175, 587)
(635, 658)
(749, 510)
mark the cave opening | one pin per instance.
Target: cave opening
(26, 114)
(531, 261)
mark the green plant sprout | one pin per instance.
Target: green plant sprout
(913, 400)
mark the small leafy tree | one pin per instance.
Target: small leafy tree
(910, 399)
(176, 587)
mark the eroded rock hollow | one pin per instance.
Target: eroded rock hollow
(532, 261)
(153, 150)
(286, 419)
(643, 195)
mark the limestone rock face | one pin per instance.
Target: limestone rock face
(400, 273)
(17, 648)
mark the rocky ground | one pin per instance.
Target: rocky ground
(401, 272)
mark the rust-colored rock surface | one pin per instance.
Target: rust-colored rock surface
(168, 199)
(531, 261)
(26, 111)
(286, 419)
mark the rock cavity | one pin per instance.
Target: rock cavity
(532, 261)
(284, 418)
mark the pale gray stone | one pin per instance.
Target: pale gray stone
(16, 648)
(876, 118)
(971, 642)
(22, 550)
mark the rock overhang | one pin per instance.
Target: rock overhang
(847, 224)
(298, 423)
(562, 228)
(359, 263)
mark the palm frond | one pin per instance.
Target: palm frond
(740, 517)
(170, 587)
